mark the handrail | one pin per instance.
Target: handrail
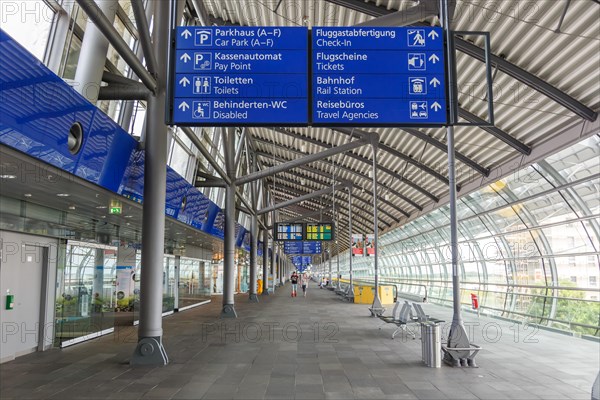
(386, 282)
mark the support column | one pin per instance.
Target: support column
(92, 58)
(281, 267)
(330, 267)
(252, 287)
(98, 285)
(457, 337)
(351, 293)
(176, 266)
(228, 310)
(377, 307)
(253, 259)
(150, 350)
(273, 257)
(265, 266)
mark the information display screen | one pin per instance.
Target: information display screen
(302, 247)
(319, 231)
(287, 231)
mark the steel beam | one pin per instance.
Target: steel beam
(529, 79)
(409, 16)
(124, 92)
(360, 176)
(326, 176)
(97, 17)
(364, 160)
(287, 190)
(202, 13)
(396, 153)
(299, 162)
(205, 153)
(240, 148)
(144, 34)
(496, 132)
(294, 201)
(441, 146)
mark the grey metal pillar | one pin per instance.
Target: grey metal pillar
(98, 284)
(177, 267)
(457, 337)
(351, 293)
(281, 267)
(253, 259)
(149, 350)
(329, 254)
(337, 249)
(265, 266)
(228, 310)
(273, 256)
(92, 58)
(254, 232)
(377, 307)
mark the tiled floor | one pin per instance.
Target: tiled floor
(306, 348)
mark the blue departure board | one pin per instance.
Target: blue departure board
(319, 231)
(289, 231)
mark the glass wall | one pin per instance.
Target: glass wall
(529, 245)
(86, 295)
(195, 277)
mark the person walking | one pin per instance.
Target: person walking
(304, 283)
(294, 281)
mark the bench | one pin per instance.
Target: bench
(422, 317)
(401, 317)
(343, 289)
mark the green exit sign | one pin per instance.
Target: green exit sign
(115, 210)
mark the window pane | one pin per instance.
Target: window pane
(29, 23)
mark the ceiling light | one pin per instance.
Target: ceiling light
(71, 207)
(101, 207)
(129, 216)
(8, 176)
(28, 195)
(63, 194)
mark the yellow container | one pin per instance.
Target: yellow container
(259, 286)
(364, 294)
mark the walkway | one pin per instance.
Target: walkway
(305, 348)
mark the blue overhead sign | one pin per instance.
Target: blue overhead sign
(378, 76)
(302, 247)
(240, 75)
(301, 262)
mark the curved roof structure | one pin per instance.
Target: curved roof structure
(545, 86)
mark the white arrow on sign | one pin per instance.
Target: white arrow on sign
(184, 106)
(436, 106)
(185, 57)
(186, 34)
(434, 59)
(184, 81)
(433, 34)
(435, 82)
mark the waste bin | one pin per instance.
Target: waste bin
(431, 344)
